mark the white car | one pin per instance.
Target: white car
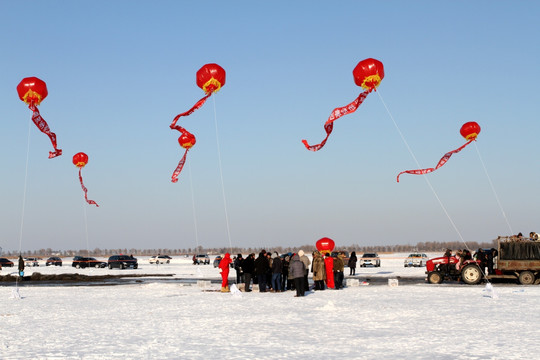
(416, 260)
(370, 259)
(160, 259)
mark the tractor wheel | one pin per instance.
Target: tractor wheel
(526, 278)
(435, 277)
(471, 274)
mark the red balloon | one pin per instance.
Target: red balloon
(368, 73)
(210, 78)
(470, 130)
(325, 244)
(32, 90)
(187, 140)
(80, 160)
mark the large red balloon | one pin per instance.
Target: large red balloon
(187, 140)
(368, 73)
(32, 90)
(210, 78)
(80, 160)
(325, 244)
(470, 130)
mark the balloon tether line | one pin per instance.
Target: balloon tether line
(428, 182)
(24, 199)
(193, 206)
(493, 188)
(221, 176)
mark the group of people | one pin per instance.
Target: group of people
(275, 273)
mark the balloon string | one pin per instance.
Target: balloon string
(193, 206)
(86, 227)
(91, 202)
(425, 177)
(221, 176)
(493, 189)
(24, 199)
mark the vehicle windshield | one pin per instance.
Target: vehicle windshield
(369, 255)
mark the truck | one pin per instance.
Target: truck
(518, 260)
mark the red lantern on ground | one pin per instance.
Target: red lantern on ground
(368, 74)
(470, 130)
(33, 91)
(325, 245)
(210, 78)
(80, 160)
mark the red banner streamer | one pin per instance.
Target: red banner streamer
(179, 168)
(443, 161)
(91, 202)
(197, 106)
(44, 128)
(336, 114)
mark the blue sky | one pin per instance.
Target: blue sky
(119, 71)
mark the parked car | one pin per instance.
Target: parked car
(415, 260)
(217, 260)
(122, 262)
(201, 259)
(54, 260)
(30, 261)
(4, 262)
(160, 259)
(370, 259)
(81, 262)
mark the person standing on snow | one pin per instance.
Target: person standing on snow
(329, 265)
(297, 269)
(238, 267)
(224, 269)
(305, 260)
(319, 273)
(352, 263)
(248, 266)
(277, 268)
(261, 268)
(338, 271)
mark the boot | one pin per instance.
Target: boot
(227, 289)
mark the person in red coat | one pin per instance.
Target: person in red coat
(224, 265)
(329, 264)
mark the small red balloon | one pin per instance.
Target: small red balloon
(470, 130)
(32, 90)
(368, 73)
(80, 160)
(210, 78)
(187, 140)
(325, 244)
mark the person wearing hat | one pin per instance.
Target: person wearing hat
(297, 269)
(238, 267)
(306, 262)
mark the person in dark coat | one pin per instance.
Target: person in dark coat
(352, 263)
(261, 269)
(285, 282)
(277, 268)
(297, 269)
(21, 266)
(248, 267)
(237, 264)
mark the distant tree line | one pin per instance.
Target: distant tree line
(431, 246)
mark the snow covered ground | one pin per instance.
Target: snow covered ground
(178, 319)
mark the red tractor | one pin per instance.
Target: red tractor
(446, 267)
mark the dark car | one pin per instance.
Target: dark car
(217, 260)
(122, 262)
(5, 263)
(81, 262)
(54, 260)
